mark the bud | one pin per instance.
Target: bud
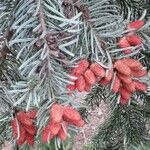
(124, 78)
(70, 114)
(30, 129)
(110, 75)
(31, 114)
(139, 73)
(120, 66)
(107, 79)
(140, 86)
(87, 88)
(79, 123)
(116, 85)
(24, 119)
(126, 95)
(134, 40)
(132, 63)
(123, 101)
(97, 70)
(71, 87)
(103, 82)
(30, 139)
(63, 132)
(123, 43)
(136, 24)
(46, 135)
(82, 66)
(62, 135)
(22, 137)
(56, 112)
(89, 77)
(129, 87)
(14, 127)
(54, 128)
(80, 84)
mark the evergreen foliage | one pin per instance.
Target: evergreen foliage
(41, 40)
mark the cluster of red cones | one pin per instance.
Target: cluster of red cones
(60, 117)
(23, 127)
(125, 80)
(87, 75)
(123, 75)
(131, 39)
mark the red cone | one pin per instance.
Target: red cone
(126, 95)
(56, 112)
(89, 77)
(82, 66)
(71, 115)
(140, 86)
(97, 70)
(123, 43)
(139, 73)
(132, 63)
(30, 139)
(134, 40)
(46, 135)
(116, 85)
(31, 114)
(24, 119)
(136, 24)
(80, 83)
(121, 67)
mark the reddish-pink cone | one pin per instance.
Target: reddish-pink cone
(56, 112)
(123, 43)
(136, 24)
(134, 40)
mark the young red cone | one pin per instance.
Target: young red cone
(132, 63)
(71, 115)
(79, 123)
(121, 67)
(139, 73)
(136, 24)
(30, 139)
(82, 66)
(129, 87)
(123, 43)
(24, 119)
(71, 87)
(97, 70)
(56, 112)
(46, 135)
(87, 88)
(14, 127)
(62, 135)
(124, 78)
(134, 40)
(89, 77)
(123, 101)
(22, 137)
(126, 95)
(54, 128)
(80, 84)
(140, 86)
(116, 85)
(63, 132)
(103, 82)
(107, 79)
(30, 129)
(31, 114)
